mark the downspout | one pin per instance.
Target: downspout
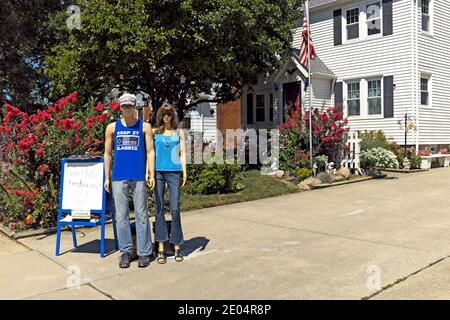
(415, 64)
(413, 89)
(416, 33)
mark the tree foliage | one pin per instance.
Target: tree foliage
(28, 30)
(173, 49)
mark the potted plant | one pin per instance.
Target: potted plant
(444, 161)
(426, 160)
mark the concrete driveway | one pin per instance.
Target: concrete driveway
(379, 239)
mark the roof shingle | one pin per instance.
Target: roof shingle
(317, 65)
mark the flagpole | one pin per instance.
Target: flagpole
(310, 87)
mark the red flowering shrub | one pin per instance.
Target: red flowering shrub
(33, 145)
(329, 136)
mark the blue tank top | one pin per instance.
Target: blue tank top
(167, 152)
(129, 152)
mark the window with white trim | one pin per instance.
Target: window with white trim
(352, 17)
(424, 91)
(426, 16)
(374, 97)
(353, 99)
(373, 18)
(362, 22)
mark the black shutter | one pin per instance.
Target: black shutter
(337, 25)
(249, 108)
(338, 96)
(388, 99)
(387, 17)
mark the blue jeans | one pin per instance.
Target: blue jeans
(143, 235)
(173, 181)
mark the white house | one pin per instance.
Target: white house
(268, 102)
(386, 58)
(203, 118)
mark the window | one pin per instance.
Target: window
(424, 92)
(353, 23)
(260, 117)
(271, 107)
(426, 15)
(249, 108)
(373, 18)
(353, 99)
(374, 100)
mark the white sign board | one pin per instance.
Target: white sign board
(82, 186)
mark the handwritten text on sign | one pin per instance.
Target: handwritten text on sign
(83, 186)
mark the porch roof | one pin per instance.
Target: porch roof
(318, 67)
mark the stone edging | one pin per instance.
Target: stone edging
(404, 171)
(340, 183)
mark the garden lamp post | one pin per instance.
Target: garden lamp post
(408, 126)
(406, 131)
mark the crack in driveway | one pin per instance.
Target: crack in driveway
(398, 281)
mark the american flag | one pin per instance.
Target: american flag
(304, 45)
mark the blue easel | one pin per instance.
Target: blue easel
(103, 219)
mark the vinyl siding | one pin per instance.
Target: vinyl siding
(323, 97)
(434, 59)
(209, 124)
(388, 55)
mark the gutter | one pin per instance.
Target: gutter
(325, 5)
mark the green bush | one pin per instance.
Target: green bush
(304, 173)
(325, 177)
(374, 139)
(213, 178)
(414, 159)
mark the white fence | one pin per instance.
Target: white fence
(352, 158)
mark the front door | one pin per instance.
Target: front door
(291, 98)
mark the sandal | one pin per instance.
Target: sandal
(178, 256)
(161, 257)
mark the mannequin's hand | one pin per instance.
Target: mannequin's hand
(184, 180)
(107, 186)
(150, 181)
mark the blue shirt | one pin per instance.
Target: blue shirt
(129, 152)
(167, 152)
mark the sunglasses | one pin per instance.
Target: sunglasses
(168, 114)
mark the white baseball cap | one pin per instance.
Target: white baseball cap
(127, 99)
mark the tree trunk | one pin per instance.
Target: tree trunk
(181, 106)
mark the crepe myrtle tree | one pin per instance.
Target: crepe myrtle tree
(173, 50)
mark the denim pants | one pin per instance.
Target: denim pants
(143, 235)
(173, 181)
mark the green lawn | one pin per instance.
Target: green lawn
(257, 186)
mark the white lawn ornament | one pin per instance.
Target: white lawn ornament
(315, 169)
(330, 168)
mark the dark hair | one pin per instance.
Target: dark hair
(163, 110)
